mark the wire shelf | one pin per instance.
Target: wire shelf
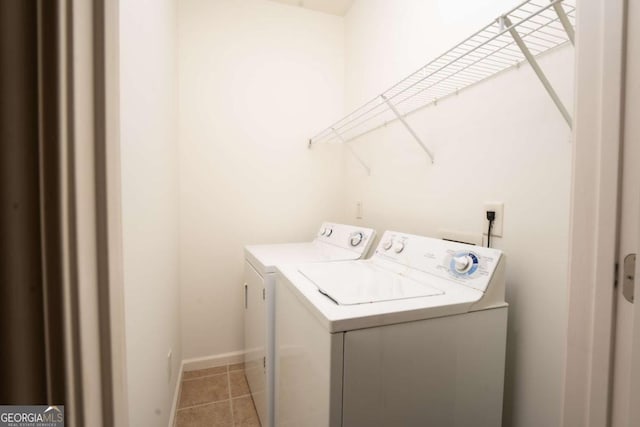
(541, 25)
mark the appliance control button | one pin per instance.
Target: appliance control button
(356, 238)
(398, 247)
(387, 244)
(323, 231)
(329, 231)
(462, 263)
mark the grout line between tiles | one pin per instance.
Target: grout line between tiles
(242, 395)
(205, 376)
(203, 404)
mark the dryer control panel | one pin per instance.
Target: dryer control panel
(469, 265)
(351, 237)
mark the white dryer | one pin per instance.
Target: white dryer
(414, 336)
(334, 242)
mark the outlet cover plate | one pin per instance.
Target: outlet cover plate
(496, 228)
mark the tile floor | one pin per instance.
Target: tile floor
(216, 397)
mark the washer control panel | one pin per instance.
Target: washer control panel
(357, 239)
(470, 265)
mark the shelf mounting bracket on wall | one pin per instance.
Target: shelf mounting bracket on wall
(564, 20)
(406, 125)
(353, 153)
(505, 22)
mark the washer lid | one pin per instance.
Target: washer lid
(362, 283)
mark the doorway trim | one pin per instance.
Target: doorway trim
(594, 212)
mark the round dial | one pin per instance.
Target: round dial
(356, 238)
(387, 244)
(462, 263)
(323, 231)
(398, 247)
(329, 231)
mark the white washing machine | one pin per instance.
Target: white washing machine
(414, 336)
(334, 242)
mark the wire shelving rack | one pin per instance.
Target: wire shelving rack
(521, 34)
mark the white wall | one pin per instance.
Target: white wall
(256, 79)
(502, 140)
(149, 160)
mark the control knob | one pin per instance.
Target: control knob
(462, 263)
(387, 244)
(356, 238)
(398, 247)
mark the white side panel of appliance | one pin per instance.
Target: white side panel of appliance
(255, 340)
(269, 286)
(308, 366)
(447, 371)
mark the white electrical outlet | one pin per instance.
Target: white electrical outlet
(496, 228)
(359, 209)
(170, 364)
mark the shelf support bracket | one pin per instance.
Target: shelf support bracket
(406, 125)
(353, 153)
(536, 68)
(564, 20)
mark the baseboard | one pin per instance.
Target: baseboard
(176, 396)
(196, 363)
(213, 361)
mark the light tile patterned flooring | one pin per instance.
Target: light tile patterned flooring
(216, 397)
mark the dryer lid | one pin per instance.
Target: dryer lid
(351, 283)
